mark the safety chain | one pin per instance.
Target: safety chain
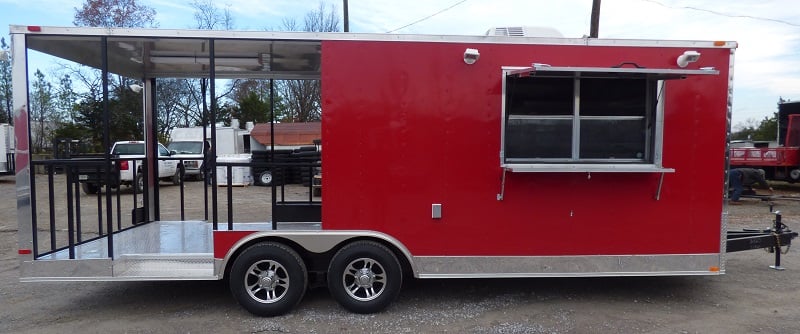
(778, 245)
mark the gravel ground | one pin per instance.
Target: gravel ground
(750, 298)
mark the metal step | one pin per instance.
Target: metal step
(165, 267)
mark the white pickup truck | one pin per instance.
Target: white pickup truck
(168, 170)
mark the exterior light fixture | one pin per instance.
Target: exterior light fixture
(688, 57)
(471, 56)
(136, 88)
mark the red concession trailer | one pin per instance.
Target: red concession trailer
(444, 157)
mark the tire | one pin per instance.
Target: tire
(794, 175)
(138, 184)
(90, 189)
(268, 279)
(176, 179)
(265, 178)
(365, 277)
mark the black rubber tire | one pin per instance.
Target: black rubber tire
(89, 189)
(793, 176)
(381, 269)
(272, 264)
(138, 184)
(176, 179)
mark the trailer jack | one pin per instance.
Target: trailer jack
(770, 239)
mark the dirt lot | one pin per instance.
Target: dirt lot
(750, 298)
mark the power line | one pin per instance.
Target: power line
(427, 17)
(725, 14)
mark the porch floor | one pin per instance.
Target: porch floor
(165, 249)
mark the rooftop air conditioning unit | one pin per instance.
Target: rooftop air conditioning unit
(524, 32)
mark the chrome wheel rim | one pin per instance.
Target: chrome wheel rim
(364, 279)
(266, 178)
(266, 281)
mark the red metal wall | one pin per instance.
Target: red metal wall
(409, 124)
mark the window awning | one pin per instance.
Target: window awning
(609, 72)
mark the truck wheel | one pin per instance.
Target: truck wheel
(794, 175)
(89, 189)
(268, 279)
(138, 186)
(265, 178)
(365, 277)
(176, 179)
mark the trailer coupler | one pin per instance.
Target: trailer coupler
(772, 240)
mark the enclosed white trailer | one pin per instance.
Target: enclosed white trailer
(6, 149)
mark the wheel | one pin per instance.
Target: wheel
(364, 277)
(794, 175)
(89, 189)
(268, 279)
(265, 178)
(176, 179)
(138, 185)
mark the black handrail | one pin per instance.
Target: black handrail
(76, 224)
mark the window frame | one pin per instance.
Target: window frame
(651, 162)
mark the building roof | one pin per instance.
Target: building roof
(288, 133)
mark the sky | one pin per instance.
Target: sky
(767, 62)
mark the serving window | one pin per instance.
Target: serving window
(584, 119)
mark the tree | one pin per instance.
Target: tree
(124, 106)
(114, 13)
(41, 109)
(252, 96)
(764, 130)
(302, 100)
(208, 16)
(65, 99)
(252, 108)
(6, 101)
(302, 97)
(126, 115)
(89, 116)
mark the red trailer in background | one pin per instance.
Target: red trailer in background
(782, 162)
(444, 157)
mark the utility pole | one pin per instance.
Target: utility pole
(595, 25)
(346, 18)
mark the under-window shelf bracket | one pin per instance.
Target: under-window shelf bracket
(502, 185)
(660, 183)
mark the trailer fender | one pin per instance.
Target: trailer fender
(227, 244)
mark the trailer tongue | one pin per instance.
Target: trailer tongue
(773, 240)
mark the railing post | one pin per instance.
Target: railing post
(229, 170)
(51, 198)
(70, 214)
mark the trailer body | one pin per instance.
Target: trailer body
(446, 156)
(188, 144)
(7, 149)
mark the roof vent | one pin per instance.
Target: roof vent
(524, 32)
